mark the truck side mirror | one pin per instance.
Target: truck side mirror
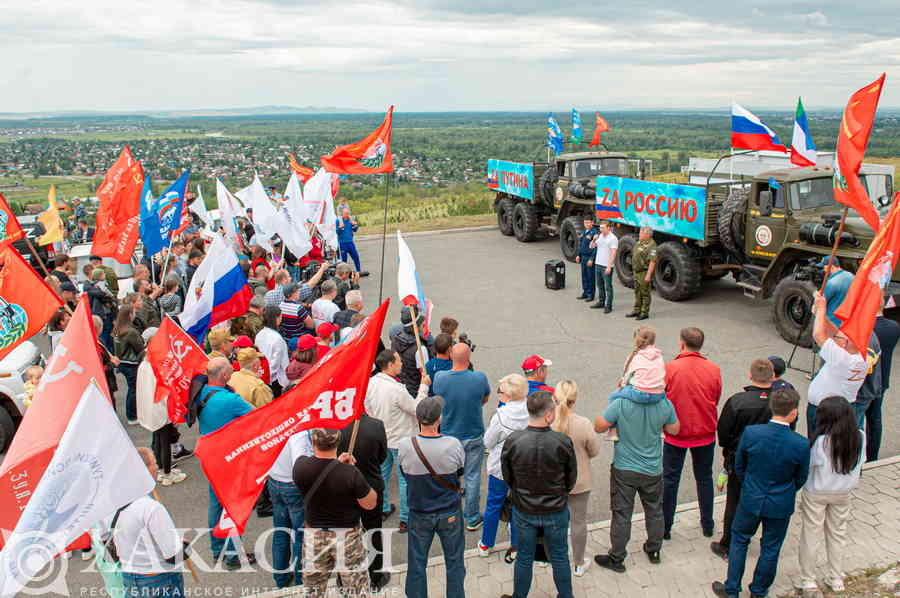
(765, 203)
(884, 201)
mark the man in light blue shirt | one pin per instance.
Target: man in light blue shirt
(836, 288)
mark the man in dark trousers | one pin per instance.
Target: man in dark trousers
(888, 333)
(744, 409)
(585, 257)
(370, 452)
(772, 462)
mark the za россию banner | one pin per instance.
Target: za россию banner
(678, 210)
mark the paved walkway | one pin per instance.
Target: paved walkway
(688, 567)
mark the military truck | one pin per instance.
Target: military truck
(767, 233)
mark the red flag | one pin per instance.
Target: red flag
(860, 306)
(304, 172)
(118, 217)
(10, 230)
(600, 126)
(70, 369)
(26, 302)
(237, 458)
(175, 359)
(370, 155)
(852, 139)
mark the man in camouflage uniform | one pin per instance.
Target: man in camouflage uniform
(643, 262)
(585, 257)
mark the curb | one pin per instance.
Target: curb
(426, 233)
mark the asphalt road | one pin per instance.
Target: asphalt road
(495, 287)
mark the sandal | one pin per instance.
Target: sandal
(510, 557)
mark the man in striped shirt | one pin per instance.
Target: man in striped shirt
(295, 318)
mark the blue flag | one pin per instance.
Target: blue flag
(554, 135)
(773, 184)
(150, 237)
(576, 127)
(169, 206)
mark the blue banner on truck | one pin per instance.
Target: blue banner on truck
(678, 210)
(514, 178)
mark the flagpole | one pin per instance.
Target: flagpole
(36, 256)
(387, 187)
(834, 248)
(415, 317)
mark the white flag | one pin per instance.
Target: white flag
(291, 224)
(327, 224)
(409, 289)
(229, 209)
(198, 207)
(264, 213)
(94, 471)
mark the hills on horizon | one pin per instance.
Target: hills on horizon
(250, 111)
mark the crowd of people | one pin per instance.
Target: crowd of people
(424, 423)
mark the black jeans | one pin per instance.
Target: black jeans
(732, 498)
(162, 446)
(623, 485)
(370, 520)
(673, 463)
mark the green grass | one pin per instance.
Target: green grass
(34, 190)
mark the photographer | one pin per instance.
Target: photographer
(347, 280)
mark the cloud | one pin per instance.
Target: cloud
(442, 54)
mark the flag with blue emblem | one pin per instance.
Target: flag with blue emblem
(554, 135)
(149, 228)
(161, 218)
(577, 136)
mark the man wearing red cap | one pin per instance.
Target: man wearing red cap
(536, 369)
(242, 342)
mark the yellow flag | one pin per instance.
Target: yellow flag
(51, 221)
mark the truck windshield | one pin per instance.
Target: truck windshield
(601, 166)
(818, 193)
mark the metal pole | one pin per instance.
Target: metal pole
(415, 317)
(731, 154)
(387, 187)
(36, 256)
(834, 248)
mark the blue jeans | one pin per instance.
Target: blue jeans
(287, 513)
(861, 407)
(673, 463)
(474, 449)
(604, 286)
(218, 545)
(449, 528)
(873, 428)
(130, 373)
(386, 468)
(106, 333)
(810, 420)
(587, 277)
(556, 540)
(161, 585)
(349, 249)
(742, 530)
(496, 494)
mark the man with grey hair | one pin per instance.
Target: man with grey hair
(324, 308)
(217, 406)
(643, 263)
(347, 280)
(354, 301)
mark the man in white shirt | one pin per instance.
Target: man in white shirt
(150, 548)
(844, 370)
(607, 244)
(271, 344)
(287, 511)
(324, 308)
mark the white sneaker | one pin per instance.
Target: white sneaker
(836, 584)
(483, 550)
(87, 555)
(582, 568)
(173, 478)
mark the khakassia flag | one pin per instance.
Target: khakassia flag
(26, 302)
(370, 155)
(10, 229)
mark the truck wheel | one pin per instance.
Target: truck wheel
(569, 237)
(730, 224)
(505, 209)
(548, 185)
(623, 260)
(525, 222)
(792, 303)
(7, 428)
(678, 275)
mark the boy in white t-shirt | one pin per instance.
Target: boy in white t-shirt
(607, 244)
(844, 369)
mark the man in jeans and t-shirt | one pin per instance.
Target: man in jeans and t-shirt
(464, 393)
(607, 244)
(435, 502)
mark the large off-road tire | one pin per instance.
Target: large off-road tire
(570, 232)
(792, 304)
(505, 209)
(7, 429)
(525, 222)
(547, 185)
(623, 260)
(678, 274)
(731, 222)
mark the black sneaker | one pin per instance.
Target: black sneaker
(607, 562)
(719, 550)
(596, 306)
(606, 310)
(379, 580)
(582, 296)
(403, 528)
(667, 535)
(642, 317)
(718, 589)
(181, 454)
(389, 512)
(654, 557)
(632, 314)
(471, 527)
(708, 533)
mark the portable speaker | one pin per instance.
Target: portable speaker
(555, 274)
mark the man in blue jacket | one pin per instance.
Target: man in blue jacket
(346, 226)
(585, 257)
(772, 462)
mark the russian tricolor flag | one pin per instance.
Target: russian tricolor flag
(748, 132)
(803, 150)
(218, 291)
(409, 288)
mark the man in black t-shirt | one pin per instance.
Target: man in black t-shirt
(335, 493)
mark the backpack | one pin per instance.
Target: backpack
(196, 398)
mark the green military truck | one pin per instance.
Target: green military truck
(767, 232)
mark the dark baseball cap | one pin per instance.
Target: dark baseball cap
(68, 286)
(429, 410)
(778, 365)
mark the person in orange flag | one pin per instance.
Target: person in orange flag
(26, 302)
(370, 155)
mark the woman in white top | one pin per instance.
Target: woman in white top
(271, 344)
(836, 458)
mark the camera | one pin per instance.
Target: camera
(464, 338)
(811, 271)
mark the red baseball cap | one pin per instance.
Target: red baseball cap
(242, 342)
(534, 362)
(306, 342)
(326, 328)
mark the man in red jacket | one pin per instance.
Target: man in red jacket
(693, 385)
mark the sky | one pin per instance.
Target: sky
(435, 55)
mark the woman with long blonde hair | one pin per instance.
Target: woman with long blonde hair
(584, 439)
